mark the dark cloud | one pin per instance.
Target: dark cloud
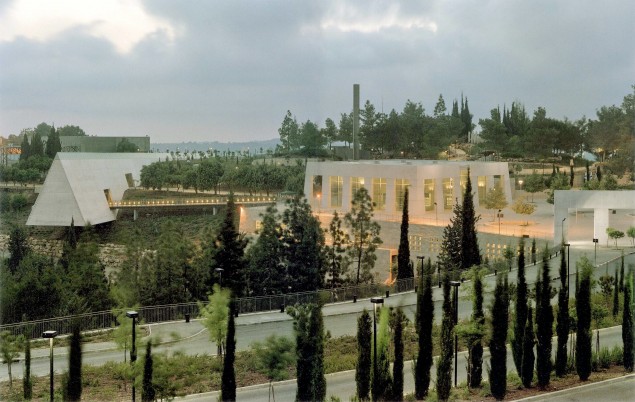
(234, 68)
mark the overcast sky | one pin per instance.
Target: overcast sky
(229, 70)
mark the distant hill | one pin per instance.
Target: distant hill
(253, 146)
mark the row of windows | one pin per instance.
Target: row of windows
(378, 193)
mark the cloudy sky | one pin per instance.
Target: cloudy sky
(229, 70)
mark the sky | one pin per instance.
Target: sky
(228, 70)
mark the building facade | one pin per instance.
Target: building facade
(434, 186)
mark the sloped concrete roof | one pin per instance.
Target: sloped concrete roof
(75, 187)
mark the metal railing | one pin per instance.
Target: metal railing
(171, 312)
(191, 201)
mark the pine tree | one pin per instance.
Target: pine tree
(627, 323)
(475, 365)
(335, 252)
(424, 319)
(74, 383)
(397, 368)
(27, 381)
(470, 253)
(527, 371)
(520, 317)
(498, 350)
(363, 366)
(228, 252)
(583, 325)
(147, 390)
(444, 363)
(228, 379)
(563, 322)
(544, 321)
(404, 267)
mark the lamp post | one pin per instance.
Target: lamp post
(568, 246)
(436, 213)
(455, 285)
(219, 271)
(595, 252)
(133, 350)
(375, 301)
(521, 184)
(499, 215)
(50, 335)
(422, 258)
(562, 227)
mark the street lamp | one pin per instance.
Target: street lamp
(133, 350)
(219, 271)
(375, 301)
(568, 246)
(436, 212)
(499, 215)
(50, 335)
(422, 258)
(521, 184)
(562, 227)
(455, 285)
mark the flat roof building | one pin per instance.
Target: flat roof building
(434, 186)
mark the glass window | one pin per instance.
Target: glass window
(482, 188)
(463, 181)
(336, 191)
(428, 188)
(400, 193)
(356, 184)
(317, 186)
(379, 193)
(497, 181)
(448, 193)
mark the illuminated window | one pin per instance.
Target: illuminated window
(498, 183)
(336, 191)
(448, 193)
(482, 188)
(317, 186)
(379, 193)
(356, 184)
(400, 193)
(428, 188)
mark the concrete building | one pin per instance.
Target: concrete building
(434, 186)
(80, 185)
(604, 205)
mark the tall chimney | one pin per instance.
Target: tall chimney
(355, 122)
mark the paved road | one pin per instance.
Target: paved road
(340, 319)
(617, 389)
(342, 384)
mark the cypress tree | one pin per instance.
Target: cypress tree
(74, 384)
(517, 343)
(381, 386)
(27, 381)
(498, 350)
(627, 324)
(527, 372)
(622, 273)
(599, 173)
(588, 172)
(305, 350)
(147, 390)
(424, 319)
(475, 372)
(544, 321)
(562, 324)
(404, 269)
(25, 148)
(444, 363)
(616, 296)
(571, 176)
(228, 380)
(316, 335)
(470, 253)
(363, 366)
(397, 368)
(583, 326)
(533, 250)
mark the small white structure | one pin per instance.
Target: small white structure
(80, 185)
(600, 201)
(434, 186)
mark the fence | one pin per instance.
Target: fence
(171, 312)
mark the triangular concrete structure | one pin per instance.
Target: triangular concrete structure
(77, 184)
